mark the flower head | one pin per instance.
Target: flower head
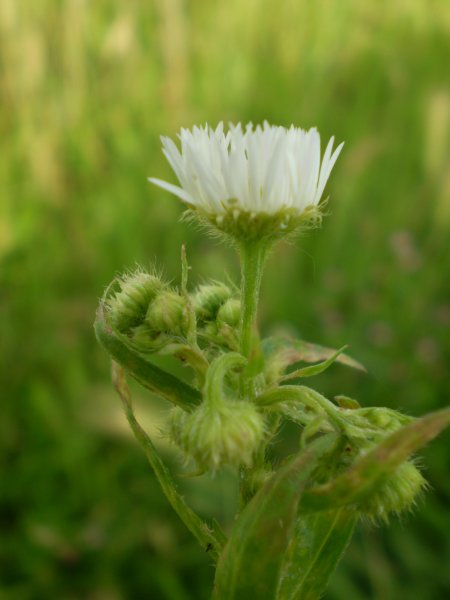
(263, 180)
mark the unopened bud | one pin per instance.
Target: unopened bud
(166, 313)
(127, 308)
(230, 312)
(209, 330)
(398, 492)
(214, 436)
(208, 299)
(145, 339)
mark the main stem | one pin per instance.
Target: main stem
(252, 262)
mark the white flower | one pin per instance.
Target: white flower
(259, 171)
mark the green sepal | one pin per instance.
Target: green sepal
(251, 562)
(140, 368)
(236, 225)
(369, 473)
(318, 542)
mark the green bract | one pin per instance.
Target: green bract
(240, 225)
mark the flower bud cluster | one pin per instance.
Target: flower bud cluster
(208, 299)
(218, 312)
(147, 311)
(128, 307)
(215, 436)
(152, 314)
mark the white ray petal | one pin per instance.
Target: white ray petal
(327, 166)
(174, 189)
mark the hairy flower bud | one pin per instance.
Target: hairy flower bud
(214, 436)
(166, 313)
(230, 313)
(366, 429)
(127, 308)
(145, 339)
(208, 299)
(398, 492)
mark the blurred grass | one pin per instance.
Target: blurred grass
(85, 90)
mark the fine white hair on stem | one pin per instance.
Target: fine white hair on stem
(262, 169)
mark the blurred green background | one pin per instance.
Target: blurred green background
(86, 88)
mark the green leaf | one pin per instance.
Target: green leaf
(147, 374)
(361, 480)
(314, 369)
(281, 352)
(251, 562)
(211, 538)
(317, 544)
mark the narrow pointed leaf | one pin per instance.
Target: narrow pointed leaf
(361, 480)
(251, 561)
(205, 535)
(318, 542)
(281, 352)
(147, 374)
(314, 369)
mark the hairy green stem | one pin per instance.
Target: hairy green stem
(213, 391)
(252, 255)
(252, 262)
(306, 396)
